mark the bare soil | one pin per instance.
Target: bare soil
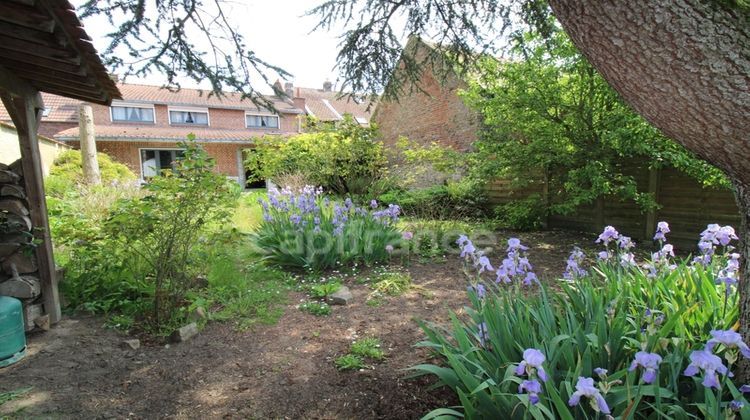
(80, 370)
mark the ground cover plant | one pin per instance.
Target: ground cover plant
(306, 230)
(622, 338)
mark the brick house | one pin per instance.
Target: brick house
(430, 111)
(143, 130)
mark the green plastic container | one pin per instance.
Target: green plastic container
(12, 334)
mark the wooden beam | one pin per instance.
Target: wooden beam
(59, 77)
(15, 85)
(32, 35)
(35, 49)
(21, 61)
(97, 98)
(26, 16)
(26, 112)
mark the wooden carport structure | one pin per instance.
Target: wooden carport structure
(44, 48)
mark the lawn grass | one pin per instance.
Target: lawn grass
(242, 289)
(248, 214)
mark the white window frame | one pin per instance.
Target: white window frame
(131, 105)
(260, 114)
(140, 157)
(188, 109)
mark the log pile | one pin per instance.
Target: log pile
(18, 264)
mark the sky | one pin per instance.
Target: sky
(275, 29)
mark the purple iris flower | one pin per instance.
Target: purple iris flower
(730, 339)
(533, 388)
(745, 389)
(467, 250)
(515, 244)
(373, 204)
(479, 289)
(662, 228)
(603, 256)
(573, 268)
(484, 264)
(649, 362)
(710, 364)
(295, 218)
(736, 406)
(502, 275)
(532, 361)
(462, 240)
(388, 248)
(585, 388)
(625, 242)
(608, 235)
(601, 373)
(530, 279)
(407, 235)
(627, 260)
(725, 235)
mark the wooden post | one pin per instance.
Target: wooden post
(653, 189)
(88, 145)
(25, 106)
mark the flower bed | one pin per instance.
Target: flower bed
(306, 230)
(620, 338)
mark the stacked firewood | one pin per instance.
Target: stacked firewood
(18, 265)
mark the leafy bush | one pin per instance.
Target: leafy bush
(67, 172)
(305, 230)
(349, 362)
(342, 158)
(454, 200)
(525, 214)
(620, 338)
(368, 347)
(163, 228)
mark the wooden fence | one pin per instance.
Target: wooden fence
(683, 202)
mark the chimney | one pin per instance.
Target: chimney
(299, 102)
(327, 85)
(289, 89)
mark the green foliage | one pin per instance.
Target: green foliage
(596, 321)
(349, 362)
(463, 199)
(12, 395)
(163, 228)
(240, 287)
(305, 230)
(524, 214)
(315, 308)
(392, 283)
(342, 158)
(368, 347)
(66, 173)
(550, 115)
(322, 291)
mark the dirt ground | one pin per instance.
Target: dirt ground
(79, 370)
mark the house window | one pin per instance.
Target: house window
(262, 121)
(122, 113)
(153, 161)
(188, 116)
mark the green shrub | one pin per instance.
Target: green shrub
(342, 158)
(305, 230)
(521, 353)
(526, 214)
(455, 200)
(164, 227)
(67, 172)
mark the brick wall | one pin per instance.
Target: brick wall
(436, 115)
(218, 118)
(50, 128)
(128, 152)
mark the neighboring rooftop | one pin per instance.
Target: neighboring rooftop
(156, 133)
(326, 104)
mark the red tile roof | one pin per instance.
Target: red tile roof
(139, 132)
(328, 106)
(62, 109)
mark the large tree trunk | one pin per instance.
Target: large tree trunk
(685, 66)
